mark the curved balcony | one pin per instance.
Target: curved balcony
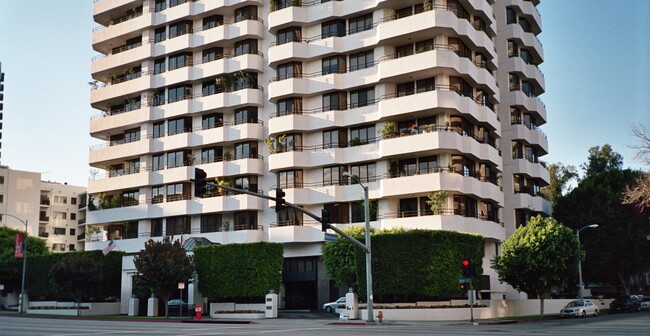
(434, 62)
(529, 71)
(531, 104)
(529, 134)
(486, 228)
(118, 121)
(103, 38)
(528, 9)
(107, 152)
(217, 100)
(435, 141)
(315, 47)
(296, 233)
(408, 185)
(311, 12)
(526, 201)
(528, 166)
(432, 22)
(102, 7)
(200, 70)
(134, 54)
(514, 31)
(121, 89)
(226, 204)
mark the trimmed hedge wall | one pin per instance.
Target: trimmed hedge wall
(239, 272)
(41, 287)
(419, 265)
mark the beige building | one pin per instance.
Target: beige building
(413, 97)
(54, 212)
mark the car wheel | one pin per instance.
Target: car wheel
(328, 309)
(584, 313)
(595, 312)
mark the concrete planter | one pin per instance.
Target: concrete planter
(240, 316)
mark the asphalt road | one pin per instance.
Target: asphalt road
(620, 324)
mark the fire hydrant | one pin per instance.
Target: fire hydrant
(380, 316)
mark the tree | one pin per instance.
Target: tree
(77, 274)
(618, 249)
(639, 194)
(162, 265)
(540, 255)
(11, 268)
(560, 176)
(602, 159)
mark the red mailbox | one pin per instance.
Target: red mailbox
(198, 309)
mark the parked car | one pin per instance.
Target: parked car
(623, 303)
(332, 306)
(175, 306)
(645, 303)
(579, 308)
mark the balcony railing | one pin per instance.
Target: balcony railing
(369, 102)
(529, 158)
(530, 126)
(421, 129)
(343, 181)
(197, 130)
(388, 18)
(473, 213)
(43, 234)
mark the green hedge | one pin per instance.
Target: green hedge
(419, 264)
(239, 272)
(40, 286)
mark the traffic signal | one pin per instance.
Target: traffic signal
(199, 182)
(280, 203)
(466, 265)
(462, 286)
(325, 219)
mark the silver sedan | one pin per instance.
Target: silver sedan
(580, 308)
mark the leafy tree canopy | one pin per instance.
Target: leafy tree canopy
(77, 275)
(560, 176)
(538, 256)
(602, 159)
(11, 267)
(162, 265)
(618, 249)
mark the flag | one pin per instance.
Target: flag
(109, 248)
(20, 240)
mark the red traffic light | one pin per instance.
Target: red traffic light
(462, 286)
(465, 262)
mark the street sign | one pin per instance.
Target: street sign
(463, 281)
(331, 237)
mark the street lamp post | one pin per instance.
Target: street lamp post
(366, 210)
(21, 297)
(581, 286)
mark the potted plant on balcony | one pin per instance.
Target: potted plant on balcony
(270, 142)
(387, 131)
(355, 142)
(227, 156)
(279, 148)
(436, 200)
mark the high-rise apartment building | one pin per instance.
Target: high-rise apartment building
(417, 99)
(54, 212)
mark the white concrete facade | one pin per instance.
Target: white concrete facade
(54, 212)
(185, 84)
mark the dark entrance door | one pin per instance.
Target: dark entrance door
(299, 276)
(300, 295)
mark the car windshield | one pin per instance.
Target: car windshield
(574, 304)
(646, 299)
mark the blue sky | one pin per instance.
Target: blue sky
(596, 69)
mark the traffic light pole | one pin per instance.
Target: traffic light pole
(293, 206)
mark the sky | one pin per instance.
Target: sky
(596, 69)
